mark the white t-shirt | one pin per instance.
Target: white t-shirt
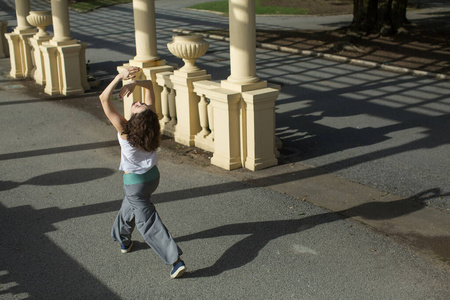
(135, 160)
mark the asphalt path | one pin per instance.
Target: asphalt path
(60, 191)
(60, 188)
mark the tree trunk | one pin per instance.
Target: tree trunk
(378, 16)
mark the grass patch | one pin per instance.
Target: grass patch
(85, 6)
(222, 7)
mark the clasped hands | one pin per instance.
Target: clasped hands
(127, 89)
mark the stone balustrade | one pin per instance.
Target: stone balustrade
(237, 126)
(233, 120)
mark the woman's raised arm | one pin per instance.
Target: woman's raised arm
(147, 84)
(111, 113)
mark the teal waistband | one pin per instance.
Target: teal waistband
(130, 178)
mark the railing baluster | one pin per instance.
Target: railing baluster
(203, 114)
(165, 104)
(211, 120)
(172, 107)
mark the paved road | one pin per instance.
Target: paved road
(60, 188)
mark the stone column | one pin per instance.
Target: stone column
(242, 41)
(19, 47)
(145, 31)
(22, 11)
(257, 110)
(61, 23)
(146, 53)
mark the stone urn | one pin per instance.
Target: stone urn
(40, 19)
(189, 48)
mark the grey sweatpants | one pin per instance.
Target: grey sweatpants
(137, 210)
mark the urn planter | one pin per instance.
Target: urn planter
(189, 48)
(40, 19)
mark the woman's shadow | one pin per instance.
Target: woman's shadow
(261, 233)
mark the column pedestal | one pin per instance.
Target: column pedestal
(63, 67)
(257, 131)
(227, 144)
(20, 52)
(258, 124)
(70, 69)
(50, 57)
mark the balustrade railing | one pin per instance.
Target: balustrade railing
(205, 138)
(236, 125)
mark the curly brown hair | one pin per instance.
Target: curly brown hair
(143, 131)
